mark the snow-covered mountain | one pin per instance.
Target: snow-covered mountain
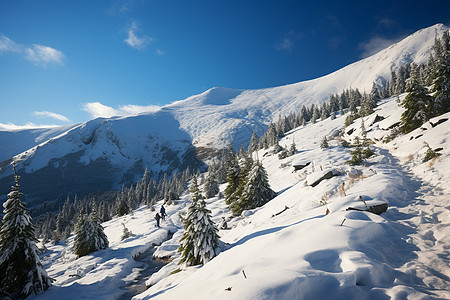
(290, 248)
(103, 153)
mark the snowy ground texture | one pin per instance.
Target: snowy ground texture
(301, 253)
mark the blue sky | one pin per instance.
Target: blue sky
(65, 62)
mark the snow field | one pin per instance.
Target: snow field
(303, 253)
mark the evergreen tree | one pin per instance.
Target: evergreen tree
(417, 104)
(324, 111)
(315, 114)
(90, 236)
(122, 207)
(211, 187)
(441, 76)
(253, 145)
(276, 147)
(245, 165)
(233, 182)
(393, 83)
(256, 191)
(374, 95)
(366, 106)
(401, 80)
(292, 149)
(20, 267)
(357, 153)
(200, 241)
(324, 143)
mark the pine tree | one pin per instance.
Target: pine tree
(256, 191)
(324, 143)
(200, 241)
(366, 106)
(20, 267)
(276, 147)
(90, 236)
(245, 165)
(233, 182)
(292, 149)
(417, 104)
(401, 80)
(211, 187)
(393, 83)
(441, 76)
(253, 145)
(374, 95)
(315, 114)
(122, 207)
(357, 153)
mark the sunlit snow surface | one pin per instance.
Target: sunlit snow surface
(211, 119)
(301, 253)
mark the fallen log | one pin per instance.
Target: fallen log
(285, 208)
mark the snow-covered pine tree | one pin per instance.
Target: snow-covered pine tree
(401, 80)
(122, 207)
(200, 241)
(211, 187)
(276, 147)
(90, 236)
(256, 191)
(324, 111)
(393, 83)
(324, 143)
(417, 104)
(441, 76)
(233, 182)
(374, 95)
(315, 114)
(292, 149)
(253, 145)
(366, 106)
(357, 153)
(20, 267)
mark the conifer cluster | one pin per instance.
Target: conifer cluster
(248, 184)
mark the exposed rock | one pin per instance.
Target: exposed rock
(375, 209)
(315, 178)
(298, 167)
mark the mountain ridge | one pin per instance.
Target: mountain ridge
(210, 120)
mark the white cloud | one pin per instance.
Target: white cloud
(119, 7)
(285, 44)
(49, 114)
(386, 22)
(132, 109)
(8, 45)
(160, 52)
(375, 44)
(29, 125)
(96, 110)
(43, 55)
(135, 41)
(37, 54)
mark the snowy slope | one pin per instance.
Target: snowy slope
(304, 254)
(301, 253)
(102, 154)
(163, 140)
(214, 116)
(17, 141)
